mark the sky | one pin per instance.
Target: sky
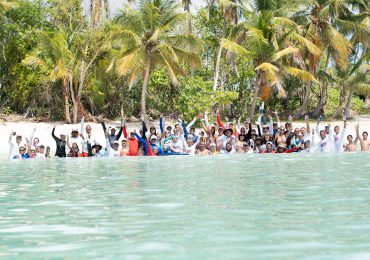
(115, 5)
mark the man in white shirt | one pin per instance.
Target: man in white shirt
(15, 145)
(338, 136)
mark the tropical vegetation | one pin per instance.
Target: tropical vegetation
(60, 59)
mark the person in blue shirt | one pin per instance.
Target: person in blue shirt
(22, 154)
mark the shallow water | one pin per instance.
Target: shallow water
(222, 207)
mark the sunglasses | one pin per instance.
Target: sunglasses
(22, 150)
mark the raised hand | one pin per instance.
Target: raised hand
(306, 117)
(217, 111)
(290, 118)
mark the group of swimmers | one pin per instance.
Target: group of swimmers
(183, 139)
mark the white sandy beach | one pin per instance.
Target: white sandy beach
(43, 130)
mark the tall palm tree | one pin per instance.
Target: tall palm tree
(150, 36)
(53, 55)
(275, 45)
(229, 10)
(69, 58)
(322, 21)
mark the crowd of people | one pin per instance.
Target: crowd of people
(184, 139)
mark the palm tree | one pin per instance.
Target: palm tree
(68, 57)
(275, 45)
(54, 57)
(229, 10)
(151, 36)
(96, 11)
(323, 22)
(356, 79)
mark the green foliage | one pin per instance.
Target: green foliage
(268, 33)
(197, 96)
(358, 106)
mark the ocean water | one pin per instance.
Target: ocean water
(290, 206)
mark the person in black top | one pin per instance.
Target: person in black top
(112, 136)
(61, 144)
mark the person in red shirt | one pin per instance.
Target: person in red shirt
(133, 143)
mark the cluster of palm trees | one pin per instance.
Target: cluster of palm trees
(315, 41)
(295, 38)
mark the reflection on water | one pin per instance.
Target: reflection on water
(272, 206)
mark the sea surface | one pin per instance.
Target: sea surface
(290, 206)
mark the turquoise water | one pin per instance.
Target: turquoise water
(221, 207)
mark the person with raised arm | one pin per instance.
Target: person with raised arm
(61, 143)
(306, 131)
(364, 141)
(34, 141)
(112, 136)
(324, 140)
(14, 145)
(219, 122)
(289, 130)
(88, 138)
(338, 136)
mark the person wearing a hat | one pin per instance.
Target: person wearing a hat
(125, 148)
(280, 138)
(96, 150)
(133, 144)
(282, 148)
(177, 145)
(269, 148)
(61, 143)
(227, 137)
(111, 151)
(15, 145)
(75, 138)
(148, 151)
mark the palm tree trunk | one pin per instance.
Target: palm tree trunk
(306, 97)
(107, 9)
(217, 67)
(255, 95)
(144, 89)
(342, 98)
(348, 104)
(324, 90)
(66, 101)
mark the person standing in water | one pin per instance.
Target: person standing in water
(338, 136)
(351, 146)
(88, 138)
(15, 146)
(364, 142)
(61, 144)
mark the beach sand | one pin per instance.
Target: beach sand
(43, 130)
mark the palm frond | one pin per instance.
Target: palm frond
(234, 47)
(285, 52)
